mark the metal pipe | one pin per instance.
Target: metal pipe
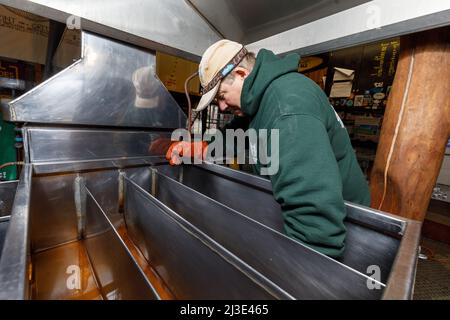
(7, 164)
(192, 76)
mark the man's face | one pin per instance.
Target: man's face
(228, 97)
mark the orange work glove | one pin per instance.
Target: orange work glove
(159, 146)
(194, 150)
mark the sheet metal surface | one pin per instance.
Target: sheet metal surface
(52, 211)
(251, 20)
(191, 264)
(374, 244)
(302, 272)
(116, 270)
(112, 85)
(71, 146)
(15, 254)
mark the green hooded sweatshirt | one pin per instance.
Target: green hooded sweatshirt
(318, 169)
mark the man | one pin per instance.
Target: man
(318, 169)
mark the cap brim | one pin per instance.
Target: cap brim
(206, 99)
(146, 103)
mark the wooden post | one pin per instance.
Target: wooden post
(416, 126)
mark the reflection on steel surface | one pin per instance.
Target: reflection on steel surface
(112, 85)
(170, 26)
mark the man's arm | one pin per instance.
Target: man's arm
(308, 185)
(237, 122)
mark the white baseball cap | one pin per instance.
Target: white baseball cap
(217, 62)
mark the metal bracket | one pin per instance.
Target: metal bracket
(80, 204)
(153, 172)
(121, 200)
(181, 175)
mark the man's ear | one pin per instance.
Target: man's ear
(241, 72)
